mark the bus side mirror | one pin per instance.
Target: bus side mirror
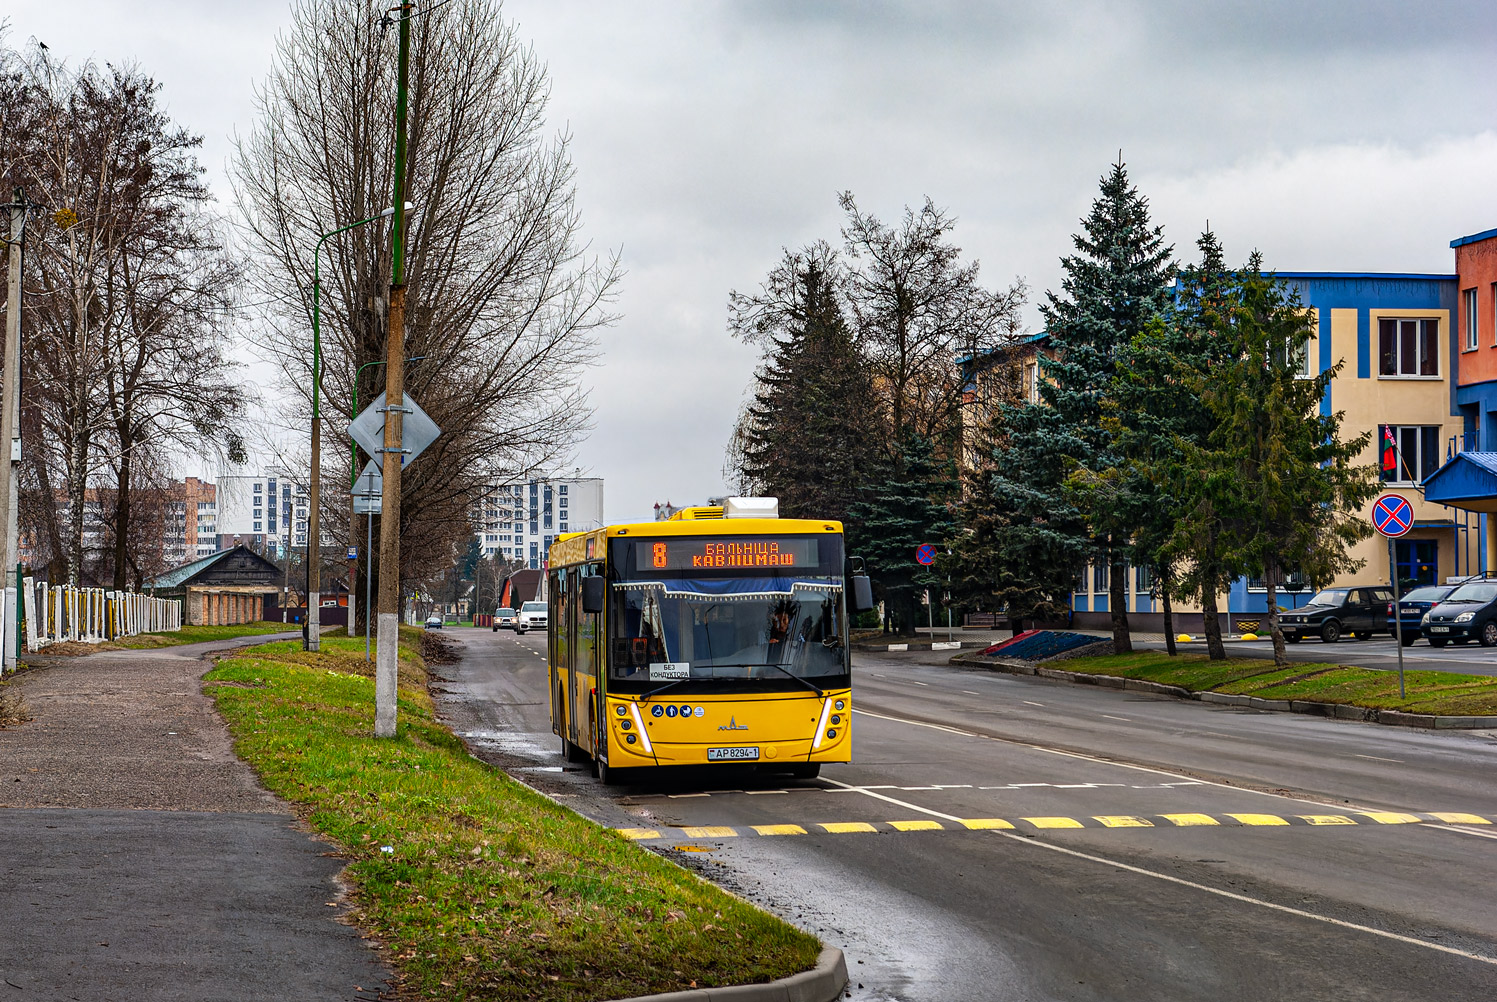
(862, 593)
(592, 594)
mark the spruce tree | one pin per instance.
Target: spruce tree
(1275, 468)
(1157, 414)
(902, 507)
(1114, 286)
(808, 436)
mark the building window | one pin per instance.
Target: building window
(1299, 360)
(257, 526)
(563, 527)
(1143, 582)
(562, 490)
(257, 487)
(1292, 583)
(535, 528)
(1408, 347)
(1031, 382)
(1409, 453)
(1468, 317)
(1100, 576)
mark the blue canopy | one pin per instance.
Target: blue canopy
(1468, 481)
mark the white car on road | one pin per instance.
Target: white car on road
(532, 617)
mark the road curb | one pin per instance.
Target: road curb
(822, 983)
(922, 645)
(1337, 711)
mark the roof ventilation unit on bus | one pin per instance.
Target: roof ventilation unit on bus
(751, 507)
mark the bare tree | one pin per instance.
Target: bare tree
(127, 295)
(504, 301)
(918, 310)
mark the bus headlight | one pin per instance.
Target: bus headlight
(840, 705)
(625, 724)
(620, 710)
(836, 718)
(630, 738)
(831, 732)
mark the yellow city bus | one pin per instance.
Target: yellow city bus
(716, 636)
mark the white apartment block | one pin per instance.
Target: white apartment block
(519, 522)
(266, 508)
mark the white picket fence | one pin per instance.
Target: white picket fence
(56, 613)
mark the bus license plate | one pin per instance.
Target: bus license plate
(1439, 629)
(732, 754)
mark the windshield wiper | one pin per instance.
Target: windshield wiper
(787, 671)
(669, 685)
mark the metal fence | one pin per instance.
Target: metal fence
(56, 613)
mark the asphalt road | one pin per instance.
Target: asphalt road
(1156, 849)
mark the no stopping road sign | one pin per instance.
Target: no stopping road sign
(1392, 515)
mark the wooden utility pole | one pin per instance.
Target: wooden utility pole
(386, 657)
(10, 411)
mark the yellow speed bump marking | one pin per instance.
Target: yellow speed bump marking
(1455, 818)
(1123, 821)
(1258, 819)
(1054, 822)
(1391, 817)
(638, 833)
(838, 827)
(916, 826)
(1190, 820)
(710, 831)
(986, 824)
(779, 829)
(1327, 819)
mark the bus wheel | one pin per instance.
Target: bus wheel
(806, 770)
(571, 752)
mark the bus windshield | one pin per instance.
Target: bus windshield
(750, 607)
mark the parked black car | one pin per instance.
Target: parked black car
(1332, 612)
(1468, 613)
(1413, 606)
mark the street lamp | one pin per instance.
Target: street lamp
(353, 480)
(314, 577)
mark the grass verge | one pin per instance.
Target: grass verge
(149, 641)
(1427, 691)
(479, 887)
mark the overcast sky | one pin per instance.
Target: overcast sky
(1333, 136)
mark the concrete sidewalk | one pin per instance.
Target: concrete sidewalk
(141, 859)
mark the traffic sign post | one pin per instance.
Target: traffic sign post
(368, 500)
(1393, 516)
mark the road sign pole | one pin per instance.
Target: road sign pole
(1397, 616)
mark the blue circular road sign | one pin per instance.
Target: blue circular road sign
(1392, 515)
(925, 553)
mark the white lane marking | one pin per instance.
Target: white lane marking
(866, 791)
(1379, 758)
(1106, 761)
(877, 675)
(1233, 896)
(969, 692)
(1125, 720)
(913, 682)
(1031, 702)
(683, 796)
(1230, 895)
(1461, 830)
(753, 793)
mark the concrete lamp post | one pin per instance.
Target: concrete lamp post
(311, 627)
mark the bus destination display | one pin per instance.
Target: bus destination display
(753, 552)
